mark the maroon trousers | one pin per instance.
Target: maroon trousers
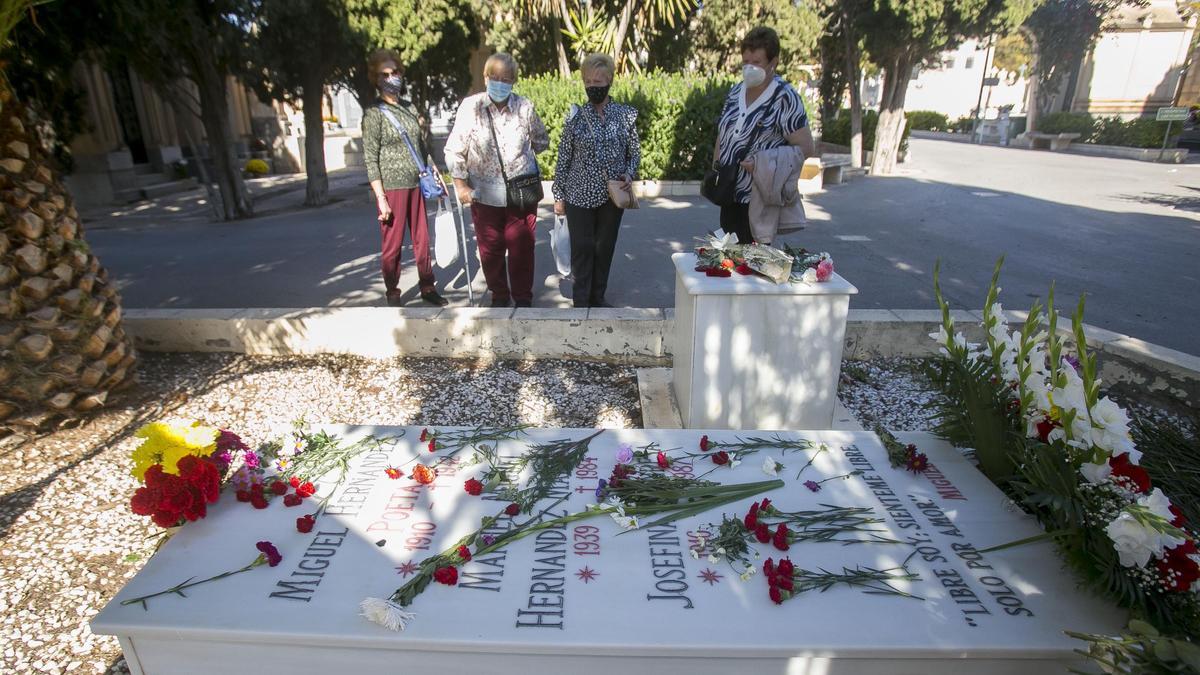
(408, 213)
(499, 231)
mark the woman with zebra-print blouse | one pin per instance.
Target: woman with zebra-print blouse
(761, 112)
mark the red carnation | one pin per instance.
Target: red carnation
(704, 443)
(279, 487)
(765, 505)
(762, 533)
(743, 269)
(1044, 428)
(258, 501)
(473, 487)
(294, 481)
(751, 519)
(512, 509)
(143, 501)
(662, 460)
(269, 552)
(776, 595)
(433, 445)
(243, 495)
(721, 458)
(785, 568)
(717, 273)
(783, 583)
(256, 489)
(1178, 570)
(423, 474)
(424, 435)
(769, 569)
(780, 540)
(446, 575)
(393, 473)
(1128, 474)
(464, 553)
(293, 500)
(306, 489)
(305, 523)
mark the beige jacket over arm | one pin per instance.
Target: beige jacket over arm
(775, 203)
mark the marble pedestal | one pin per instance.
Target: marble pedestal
(752, 354)
(585, 601)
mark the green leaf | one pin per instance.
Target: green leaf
(1139, 627)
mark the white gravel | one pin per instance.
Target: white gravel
(893, 392)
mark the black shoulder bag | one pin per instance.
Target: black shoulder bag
(720, 184)
(522, 192)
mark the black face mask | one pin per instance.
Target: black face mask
(597, 94)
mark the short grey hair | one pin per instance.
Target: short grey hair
(500, 59)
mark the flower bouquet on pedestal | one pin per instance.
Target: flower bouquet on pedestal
(721, 257)
(809, 267)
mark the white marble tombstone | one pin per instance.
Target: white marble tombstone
(582, 600)
(752, 354)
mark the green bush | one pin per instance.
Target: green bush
(837, 131)
(1069, 123)
(963, 124)
(677, 120)
(927, 120)
(1139, 133)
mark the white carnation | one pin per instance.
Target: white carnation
(386, 613)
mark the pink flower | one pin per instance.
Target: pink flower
(824, 270)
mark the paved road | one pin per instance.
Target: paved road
(1126, 233)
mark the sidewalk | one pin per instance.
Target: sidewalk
(272, 195)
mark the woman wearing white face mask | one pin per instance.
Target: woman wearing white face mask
(493, 143)
(761, 112)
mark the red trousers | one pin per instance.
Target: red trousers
(500, 230)
(408, 213)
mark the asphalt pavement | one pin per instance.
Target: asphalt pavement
(1125, 233)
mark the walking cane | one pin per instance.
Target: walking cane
(466, 253)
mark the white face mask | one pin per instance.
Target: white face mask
(753, 75)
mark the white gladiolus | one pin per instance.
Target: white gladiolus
(1111, 427)
(1135, 543)
(1157, 503)
(386, 613)
(626, 522)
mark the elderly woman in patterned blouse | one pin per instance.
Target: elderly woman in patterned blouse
(493, 127)
(761, 112)
(599, 143)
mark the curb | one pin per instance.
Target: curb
(630, 336)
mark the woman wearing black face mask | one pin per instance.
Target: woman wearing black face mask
(599, 144)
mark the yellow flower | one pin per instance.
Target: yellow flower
(168, 442)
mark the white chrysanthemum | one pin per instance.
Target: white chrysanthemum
(1095, 473)
(386, 613)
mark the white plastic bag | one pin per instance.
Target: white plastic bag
(445, 238)
(560, 245)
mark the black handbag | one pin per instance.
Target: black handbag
(522, 192)
(720, 184)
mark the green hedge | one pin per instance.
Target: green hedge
(677, 120)
(928, 120)
(1069, 123)
(1142, 132)
(838, 130)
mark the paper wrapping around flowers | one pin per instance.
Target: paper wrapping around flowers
(769, 262)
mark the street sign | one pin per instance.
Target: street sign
(991, 81)
(1172, 115)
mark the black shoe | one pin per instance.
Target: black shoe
(433, 298)
(500, 302)
(523, 303)
(601, 303)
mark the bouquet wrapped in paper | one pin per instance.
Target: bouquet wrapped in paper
(720, 257)
(810, 267)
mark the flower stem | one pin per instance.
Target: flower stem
(178, 589)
